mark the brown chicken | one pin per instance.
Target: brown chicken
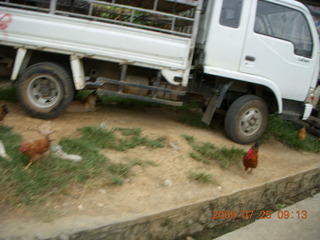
(38, 148)
(302, 134)
(250, 160)
(3, 112)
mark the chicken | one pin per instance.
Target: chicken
(38, 148)
(250, 160)
(3, 153)
(302, 134)
(3, 112)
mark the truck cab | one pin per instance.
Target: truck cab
(269, 49)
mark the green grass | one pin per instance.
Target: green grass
(127, 103)
(55, 177)
(120, 139)
(8, 94)
(201, 177)
(286, 132)
(208, 153)
(120, 171)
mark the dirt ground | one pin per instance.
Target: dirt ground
(152, 189)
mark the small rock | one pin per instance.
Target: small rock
(80, 207)
(101, 205)
(103, 125)
(127, 180)
(189, 238)
(63, 237)
(219, 188)
(168, 182)
(204, 218)
(194, 228)
(171, 144)
(102, 191)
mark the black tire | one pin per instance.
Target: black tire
(246, 119)
(45, 90)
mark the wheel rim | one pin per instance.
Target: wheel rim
(44, 91)
(250, 121)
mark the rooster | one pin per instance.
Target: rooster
(38, 148)
(250, 160)
(3, 112)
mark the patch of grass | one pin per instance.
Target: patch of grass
(10, 140)
(117, 181)
(200, 158)
(54, 176)
(201, 177)
(119, 139)
(98, 137)
(150, 163)
(280, 206)
(228, 156)
(8, 94)
(191, 114)
(286, 132)
(120, 171)
(188, 138)
(208, 153)
(127, 103)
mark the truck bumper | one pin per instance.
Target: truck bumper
(307, 111)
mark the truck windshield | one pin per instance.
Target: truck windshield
(284, 23)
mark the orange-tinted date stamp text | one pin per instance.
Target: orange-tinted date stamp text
(223, 214)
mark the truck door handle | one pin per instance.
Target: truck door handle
(250, 58)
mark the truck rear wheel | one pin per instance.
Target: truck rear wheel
(45, 90)
(246, 119)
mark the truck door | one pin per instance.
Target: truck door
(279, 46)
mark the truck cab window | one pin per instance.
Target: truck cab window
(284, 23)
(231, 13)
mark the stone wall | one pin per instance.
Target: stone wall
(194, 218)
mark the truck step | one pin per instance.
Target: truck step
(137, 97)
(314, 121)
(101, 81)
(290, 115)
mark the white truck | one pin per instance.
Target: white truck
(246, 57)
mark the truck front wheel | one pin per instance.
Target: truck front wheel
(246, 119)
(45, 90)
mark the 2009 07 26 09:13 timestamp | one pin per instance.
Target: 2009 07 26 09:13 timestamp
(224, 214)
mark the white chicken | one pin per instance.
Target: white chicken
(3, 153)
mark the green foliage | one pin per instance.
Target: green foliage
(120, 169)
(201, 177)
(208, 153)
(286, 132)
(120, 139)
(55, 176)
(199, 157)
(98, 137)
(127, 103)
(228, 156)
(191, 115)
(117, 181)
(124, 14)
(280, 206)
(8, 94)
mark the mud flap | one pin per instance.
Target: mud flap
(215, 102)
